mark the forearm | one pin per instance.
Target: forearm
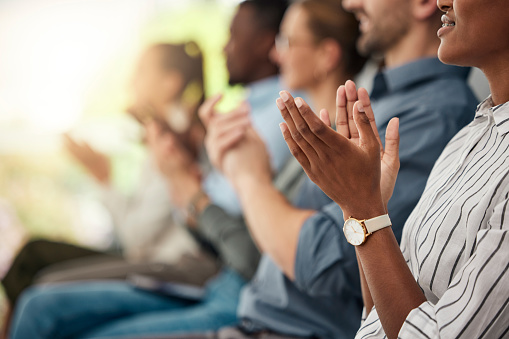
(274, 223)
(366, 295)
(392, 287)
(230, 238)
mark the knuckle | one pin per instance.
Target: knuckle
(286, 115)
(302, 128)
(327, 158)
(297, 137)
(312, 175)
(364, 119)
(295, 151)
(318, 129)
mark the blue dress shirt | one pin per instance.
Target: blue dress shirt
(432, 101)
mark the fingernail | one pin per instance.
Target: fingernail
(299, 102)
(280, 104)
(282, 127)
(284, 95)
(360, 108)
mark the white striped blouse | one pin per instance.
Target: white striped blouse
(456, 240)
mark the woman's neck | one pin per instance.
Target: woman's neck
(323, 95)
(498, 78)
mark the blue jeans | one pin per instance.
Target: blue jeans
(118, 310)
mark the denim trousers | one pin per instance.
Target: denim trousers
(115, 309)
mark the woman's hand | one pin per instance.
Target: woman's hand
(96, 163)
(175, 163)
(349, 165)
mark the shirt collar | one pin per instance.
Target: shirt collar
(395, 79)
(500, 114)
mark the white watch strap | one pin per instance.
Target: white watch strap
(375, 224)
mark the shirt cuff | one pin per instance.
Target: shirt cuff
(420, 323)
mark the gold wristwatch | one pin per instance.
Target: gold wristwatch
(356, 231)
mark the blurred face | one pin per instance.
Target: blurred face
(474, 32)
(242, 55)
(152, 86)
(296, 50)
(383, 23)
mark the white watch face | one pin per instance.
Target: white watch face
(354, 232)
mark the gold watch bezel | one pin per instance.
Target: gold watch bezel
(365, 231)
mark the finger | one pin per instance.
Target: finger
(391, 152)
(294, 147)
(69, 143)
(242, 108)
(319, 136)
(367, 137)
(86, 147)
(292, 129)
(324, 116)
(342, 113)
(151, 132)
(206, 110)
(225, 143)
(225, 123)
(351, 98)
(285, 114)
(300, 130)
(366, 104)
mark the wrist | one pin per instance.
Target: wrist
(367, 210)
(197, 205)
(183, 188)
(246, 181)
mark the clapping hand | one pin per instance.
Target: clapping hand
(350, 164)
(175, 163)
(233, 145)
(97, 164)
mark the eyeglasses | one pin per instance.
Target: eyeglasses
(283, 43)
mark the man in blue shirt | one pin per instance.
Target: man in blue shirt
(307, 283)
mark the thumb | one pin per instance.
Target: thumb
(324, 116)
(206, 110)
(366, 135)
(392, 141)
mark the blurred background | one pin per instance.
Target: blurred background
(65, 68)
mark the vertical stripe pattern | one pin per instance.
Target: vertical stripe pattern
(456, 241)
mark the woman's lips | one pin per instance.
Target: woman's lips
(447, 25)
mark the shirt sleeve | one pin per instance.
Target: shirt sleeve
(325, 263)
(475, 304)
(142, 217)
(231, 239)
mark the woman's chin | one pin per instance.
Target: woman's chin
(449, 56)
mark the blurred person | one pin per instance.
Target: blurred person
(316, 50)
(168, 85)
(252, 32)
(312, 270)
(127, 312)
(448, 279)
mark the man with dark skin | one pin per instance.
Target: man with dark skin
(253, 30)
(247, 50)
